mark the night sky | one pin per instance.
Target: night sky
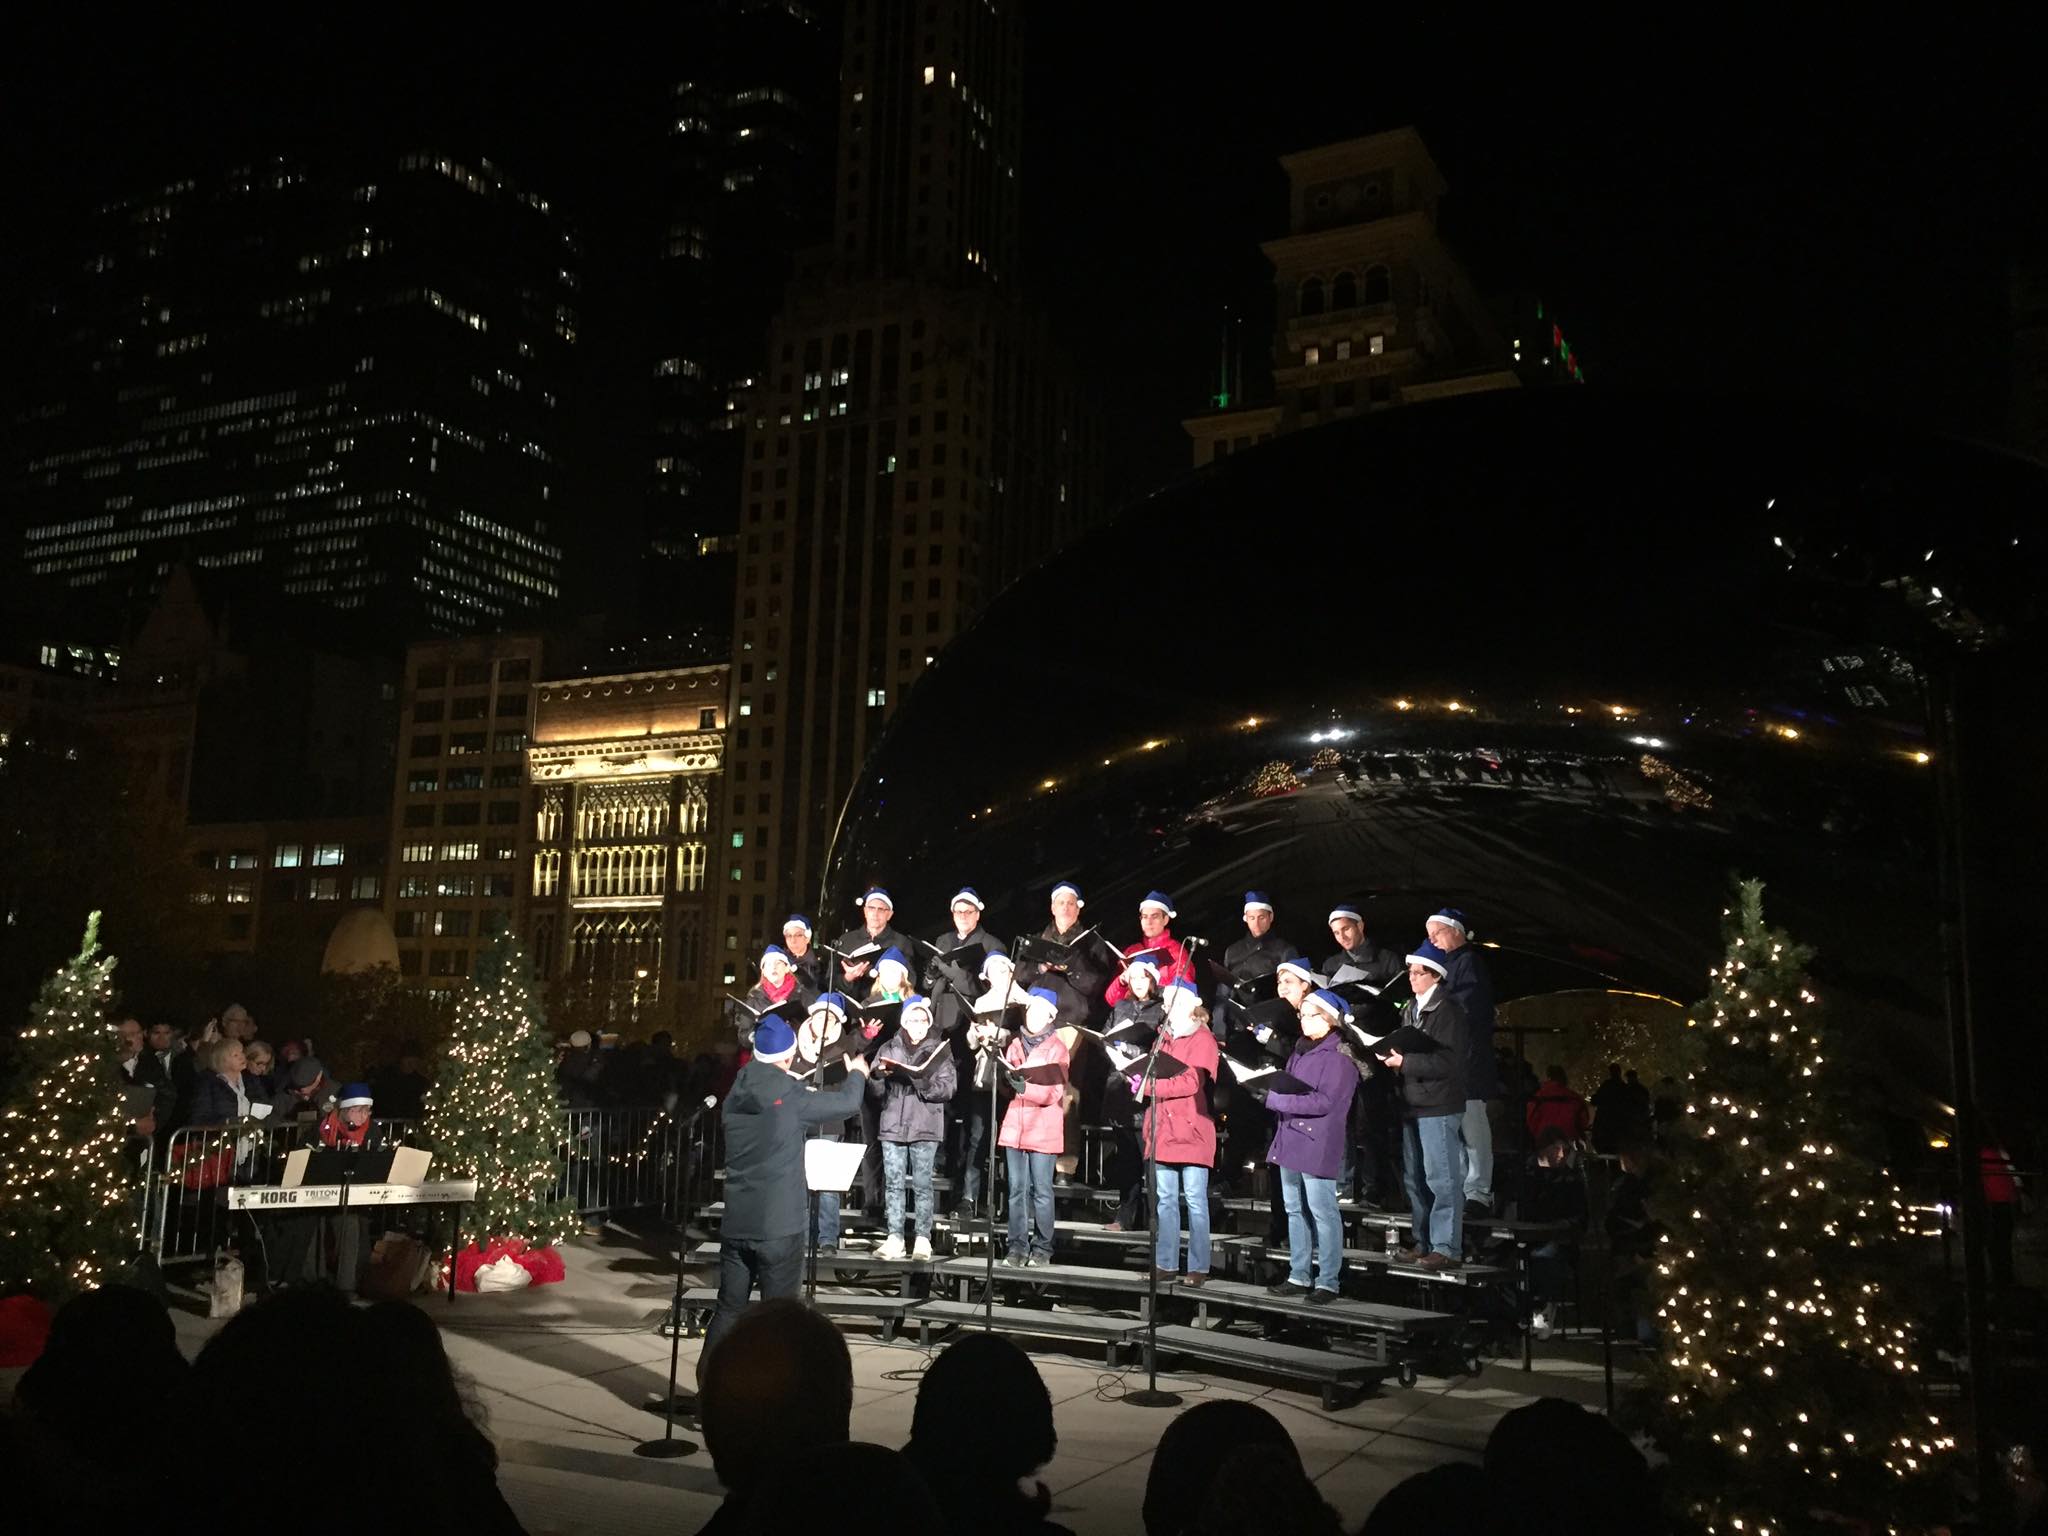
(1719, 211)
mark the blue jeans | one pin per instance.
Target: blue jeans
(1477, 1131)
(1030, 1203)
(920, 1157)
(828, 1221)
(775, 1265)
(1312, 1202)
(1177, 1181)
(1433, 1168)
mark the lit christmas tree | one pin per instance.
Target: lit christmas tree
(1275, 778)
(64, 1220)
(493, 1114)
(1787, 1393)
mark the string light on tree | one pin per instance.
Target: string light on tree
(1787, 1395)
(493, 1114)
(65, 1225)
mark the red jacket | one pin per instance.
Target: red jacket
(1036, 1119)
(1557, 1104)
(1180, 1118)
(2001, 1184)
(1179, 966)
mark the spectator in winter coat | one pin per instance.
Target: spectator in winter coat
(982, 1428)
(914, 1077)
(1471, 988)
(1034, 1128)
(877, 928)
(1557, 1106)
(224, 1093)
(1433, 1104)
(140, 1068)
(1155, 912)
(810, 965)
(1347, 927)
(1308, 1149)
(1180, 1134)
(1615, 1122)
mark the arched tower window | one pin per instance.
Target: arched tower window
(1344, 291)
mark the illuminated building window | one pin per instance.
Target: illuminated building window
(243, 858)
(286, 856)
(326, 854)
(1377, 346)
(1343, 350)
(324, 888)
(877, 697)
(931, 74)
(422, 783)
(1311, 356)
(366, 888)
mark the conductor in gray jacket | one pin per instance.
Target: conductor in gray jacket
(761, 1240)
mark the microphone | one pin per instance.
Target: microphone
(1194, 943)
(709, 1101)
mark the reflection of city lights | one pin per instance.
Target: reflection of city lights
(1647, 741)
(1619, 711)
(1938, 1143)
(1151, 744)
(1921, 757)
(1252, 724)
(1048, 783)
(1403, 704)
(1790, 733)
(1454, 706)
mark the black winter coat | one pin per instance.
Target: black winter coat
(949, 1014)
(765, 1117)
(1433, 1082)
(1249, 958)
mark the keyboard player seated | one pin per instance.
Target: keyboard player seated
(307, 1246)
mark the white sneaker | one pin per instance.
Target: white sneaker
(892, 1248)
(921, 1250)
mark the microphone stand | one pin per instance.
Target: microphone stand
(1149, 1396)
(671, 1405)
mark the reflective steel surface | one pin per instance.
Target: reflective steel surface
(1566, 662)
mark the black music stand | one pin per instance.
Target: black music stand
(671, 1403)
(1149, 1395)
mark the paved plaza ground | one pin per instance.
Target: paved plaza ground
(562, 1373)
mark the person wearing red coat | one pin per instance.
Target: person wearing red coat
(1180, 1135)
(1034, 1129)
(1557, 1105)
(1169, 957)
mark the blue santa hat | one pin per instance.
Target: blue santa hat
(830, 1002)
(1324, 998)
(776, 952)
(894, 956)
(1429, 955)
(354, 1094)
(916, 1003)
(1256, 901)
(871, 893)
(1182, 993)
(1343, 909)
(969, 894)
(991, 957)
(1044, 995)
(1160, 900)
(1450, 917)
(797, 920)
(1145, 961)
(773, 1037)
(1298, 965)
(1071, 889)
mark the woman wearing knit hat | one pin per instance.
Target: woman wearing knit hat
(1308, 1149)
(1034, 1127)
(1136, 1018)
(913, 1079)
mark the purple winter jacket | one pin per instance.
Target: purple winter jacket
(1309, 1136)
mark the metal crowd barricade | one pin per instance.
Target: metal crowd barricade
(610, 1160)
(619, 1159)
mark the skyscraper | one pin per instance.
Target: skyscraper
(338, 381)
(914, 441)
(747, 181)
(1372, 308)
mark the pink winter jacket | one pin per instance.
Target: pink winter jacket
(1180, 1119)
(1036, 1120)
